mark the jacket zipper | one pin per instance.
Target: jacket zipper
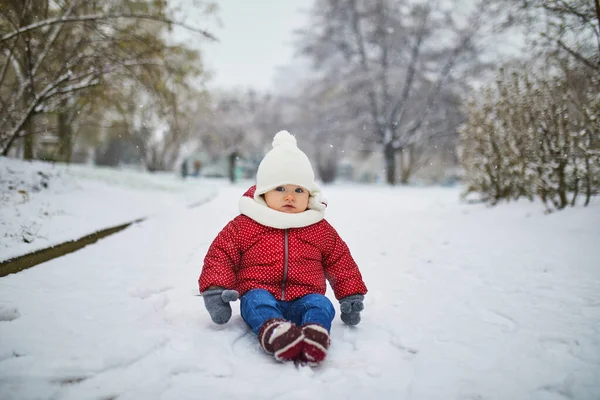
(285, 263)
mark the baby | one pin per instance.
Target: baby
(277, 254)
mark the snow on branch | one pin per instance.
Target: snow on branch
(577, 55)
(51, 39)
(56, 88)
(97, 17)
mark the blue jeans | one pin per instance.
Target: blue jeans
(258, 306)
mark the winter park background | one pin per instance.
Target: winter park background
(457, 142)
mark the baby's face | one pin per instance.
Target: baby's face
(288, 199)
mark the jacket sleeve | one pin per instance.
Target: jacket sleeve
(340, 268)
(221, 260)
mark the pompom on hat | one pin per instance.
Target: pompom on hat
(286, 164)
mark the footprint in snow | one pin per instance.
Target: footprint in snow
(409, 352)
(8, 313)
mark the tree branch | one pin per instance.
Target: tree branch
(431, 96)
(9, 57)
(384, 60)
(97, 17)
(410, 74)
(463, 44)
(53, 90)
(364, 65)
(577, 55)
(13, 134)
(51, 40)
(597, 4)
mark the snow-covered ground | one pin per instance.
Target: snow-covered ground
(44, 204)
(464, 302)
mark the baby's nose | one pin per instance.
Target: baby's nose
(290, 196)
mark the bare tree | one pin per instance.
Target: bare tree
(323, 122)
(239, 124)
(570, 28)
(397, 60)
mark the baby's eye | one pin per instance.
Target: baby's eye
(280, 189)
(299, 190)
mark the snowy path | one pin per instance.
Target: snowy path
(465, 302)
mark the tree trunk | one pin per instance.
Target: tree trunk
(65, 135)
(390, 163)
(576, 181)
(597, 4)
(232, 163)
(28, 140)
(29, 127)
(405, 165)
(588, 181)
(562, 186)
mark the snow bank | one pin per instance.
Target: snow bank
(43, 204)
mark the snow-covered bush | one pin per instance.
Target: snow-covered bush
(534, 135)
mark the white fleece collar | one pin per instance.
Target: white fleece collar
(261, 213)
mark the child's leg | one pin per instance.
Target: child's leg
(258, 306)
(315, 314)
(312, 308)
(263, 313)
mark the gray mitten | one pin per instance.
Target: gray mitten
(351, 306)
(217, 301)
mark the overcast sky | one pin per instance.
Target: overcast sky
(255, 39)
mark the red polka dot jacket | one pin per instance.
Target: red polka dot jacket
(280, 254)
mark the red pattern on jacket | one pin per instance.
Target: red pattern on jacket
(246, 255)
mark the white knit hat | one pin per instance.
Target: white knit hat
(286, 164)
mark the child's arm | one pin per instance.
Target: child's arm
(221, 260)
(344, 276)
(217, 281)
(340, 268)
